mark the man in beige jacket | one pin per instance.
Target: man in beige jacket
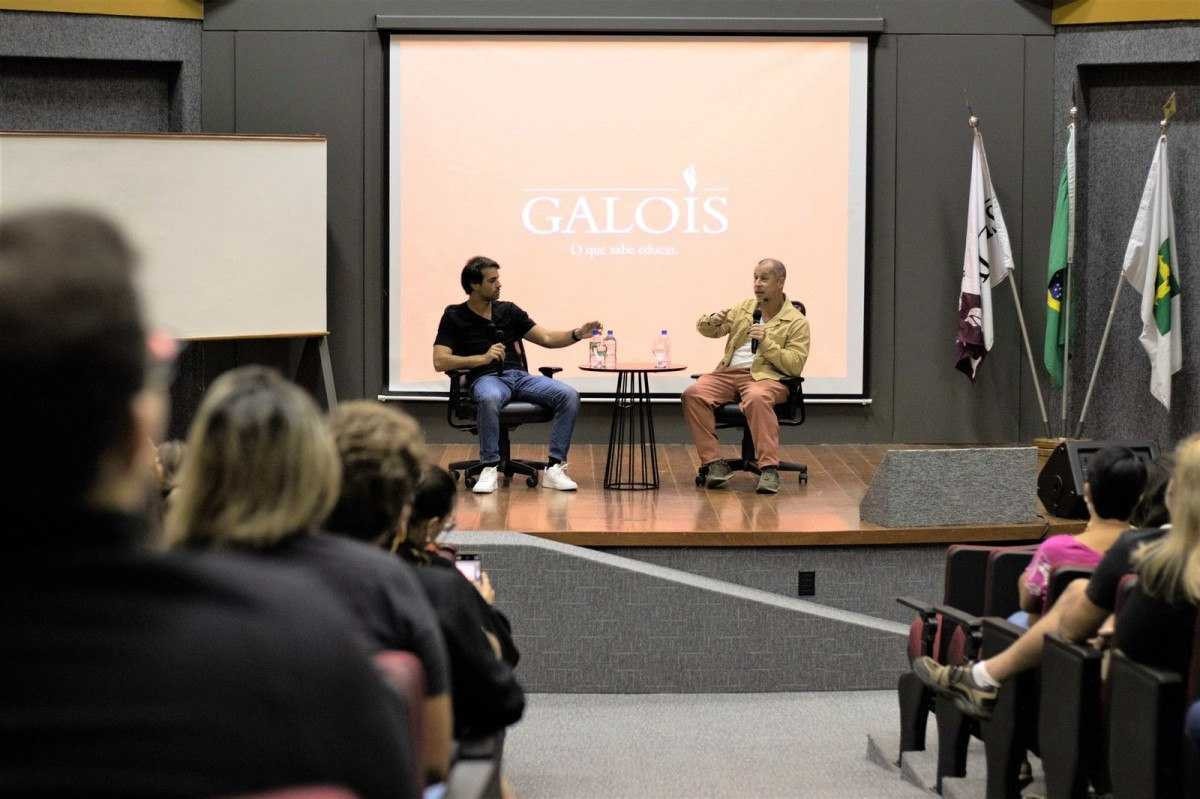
(750, 377)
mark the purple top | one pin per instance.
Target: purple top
(1055, 551)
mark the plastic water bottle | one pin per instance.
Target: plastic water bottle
(661, 350)
(610, 351)
(596, 350)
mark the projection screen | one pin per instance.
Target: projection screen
(635, 180)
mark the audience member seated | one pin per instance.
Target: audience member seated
(261, 475)
(1115, 481)
(1076, 616)
(130, 672)
(432, 515)
(378, 445)
(1156, 620)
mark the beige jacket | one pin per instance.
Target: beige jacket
(781, 353)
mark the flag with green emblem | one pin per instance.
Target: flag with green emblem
(1152, 268)
(1062, 255)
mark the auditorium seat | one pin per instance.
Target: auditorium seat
(979, 580)
(404, 672)
(1148, 752)
(302, 792)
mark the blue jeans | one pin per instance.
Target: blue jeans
(1192, 725)
(491, 391)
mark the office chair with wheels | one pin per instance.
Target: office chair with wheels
(790, 413)
(460, 414)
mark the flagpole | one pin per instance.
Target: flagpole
(1029, 354)
(973, 122)
(1087, 398)
(1168, 112)
(1066, 383)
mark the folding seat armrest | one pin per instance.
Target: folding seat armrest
(483, 748)
(923, 609)
(959, 617)
(472, 779)
(549, 371)
(998, 635)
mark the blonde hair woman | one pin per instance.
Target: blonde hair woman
(1170, 567)
(1155, 624)
(261, 475)
(261, 465)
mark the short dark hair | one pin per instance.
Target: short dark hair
(73, 354)
(434, 497)
(472, 273)
(1151, 509)
(1116, 477)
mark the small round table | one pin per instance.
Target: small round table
(632, 462)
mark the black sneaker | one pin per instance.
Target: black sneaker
(956, 682)
(718, 474)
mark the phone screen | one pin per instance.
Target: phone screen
(470, 566)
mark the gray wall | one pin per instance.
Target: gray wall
(96, 73)
(591, 622)
(1122, 75)
(313, 66)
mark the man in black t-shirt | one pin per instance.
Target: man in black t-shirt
(481, 335)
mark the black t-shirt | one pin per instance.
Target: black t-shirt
(1116, 563)
(486, 695)
(467, 333)
(1155, 632)
(381, 592)
(135, 674)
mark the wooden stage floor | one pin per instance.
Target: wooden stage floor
(825, 512)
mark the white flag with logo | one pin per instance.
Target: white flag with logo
(1152, 268)
(987, 261)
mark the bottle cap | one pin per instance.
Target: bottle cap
(610, 332)
(664, 331)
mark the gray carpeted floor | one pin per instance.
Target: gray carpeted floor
(749, 746)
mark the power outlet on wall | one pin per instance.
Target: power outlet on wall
(806, 583)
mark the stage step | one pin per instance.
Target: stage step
(593, 622)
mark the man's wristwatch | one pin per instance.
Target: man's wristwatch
(574, 335)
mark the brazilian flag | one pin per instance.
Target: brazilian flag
(1061, 240)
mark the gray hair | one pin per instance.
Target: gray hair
(776, 266)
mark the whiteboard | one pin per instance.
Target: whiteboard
(230, 229)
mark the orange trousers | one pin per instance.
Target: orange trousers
(757, 399)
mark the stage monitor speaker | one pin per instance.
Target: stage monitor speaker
(1060, 484)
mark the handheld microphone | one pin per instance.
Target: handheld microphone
(497, 338)
(757, 317)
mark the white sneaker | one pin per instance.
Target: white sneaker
(485, 483)
(556, 477)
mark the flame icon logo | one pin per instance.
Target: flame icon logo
(689, 178)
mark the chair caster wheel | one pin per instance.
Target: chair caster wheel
(531, 482)
(470, 481)
(802, 478)
(455, 475)
(699, 480)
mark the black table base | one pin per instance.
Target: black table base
(632, 463)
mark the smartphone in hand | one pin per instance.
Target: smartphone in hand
(470, 565)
